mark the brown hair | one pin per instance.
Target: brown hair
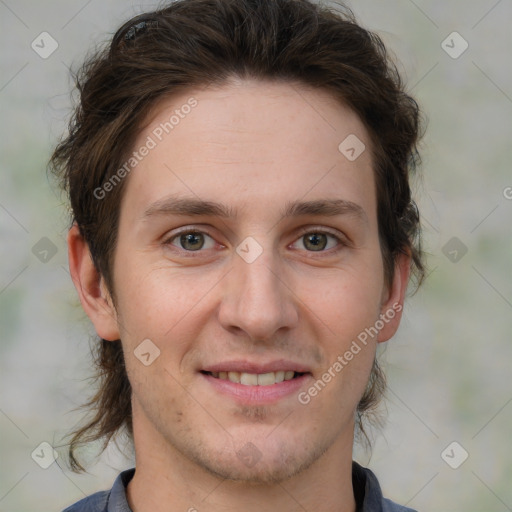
(197, 42)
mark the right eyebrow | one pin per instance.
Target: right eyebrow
(188, 206)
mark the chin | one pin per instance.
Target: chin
(250, 465)
(261, 473)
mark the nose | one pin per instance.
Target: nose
(258, 300)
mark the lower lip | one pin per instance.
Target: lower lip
(258, 394)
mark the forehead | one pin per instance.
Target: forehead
(252, 141)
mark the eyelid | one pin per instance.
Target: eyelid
(169, 237)
(342, 239)
(318, 229)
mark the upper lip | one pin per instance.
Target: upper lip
(244, 366)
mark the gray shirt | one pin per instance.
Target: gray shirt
(367, 493)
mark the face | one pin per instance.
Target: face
(248, 254)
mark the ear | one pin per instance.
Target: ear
(393, 298)
(91, 287)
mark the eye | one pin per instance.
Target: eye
(191, 241)
(318, 241)
(311, 240)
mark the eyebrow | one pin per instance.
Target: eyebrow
(196, 207)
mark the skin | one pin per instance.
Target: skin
(253, 146)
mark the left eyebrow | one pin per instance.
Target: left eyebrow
(189, 206)
(325, 208)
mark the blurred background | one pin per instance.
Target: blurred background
(447, 441)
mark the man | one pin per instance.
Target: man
(243, 236)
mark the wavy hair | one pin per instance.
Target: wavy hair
(197, 42)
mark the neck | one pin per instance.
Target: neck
(166, 480)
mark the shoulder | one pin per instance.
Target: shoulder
(103, 501)
(391, 506)
(96, 502)
(369, 494)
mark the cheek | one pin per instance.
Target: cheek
(346, 301)
(161, 303)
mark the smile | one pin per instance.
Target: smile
(256, 386)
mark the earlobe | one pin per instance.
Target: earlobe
(93, 293)
(393, 303)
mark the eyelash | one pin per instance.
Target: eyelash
(342, 242)
(322, 231)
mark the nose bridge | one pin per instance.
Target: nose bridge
(257, 301)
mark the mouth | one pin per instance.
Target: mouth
(256, 379)
(256, 384)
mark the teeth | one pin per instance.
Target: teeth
(253, 379)
(234, 376)
(249, 379)
(265, 379)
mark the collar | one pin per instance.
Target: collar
(367, 492)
